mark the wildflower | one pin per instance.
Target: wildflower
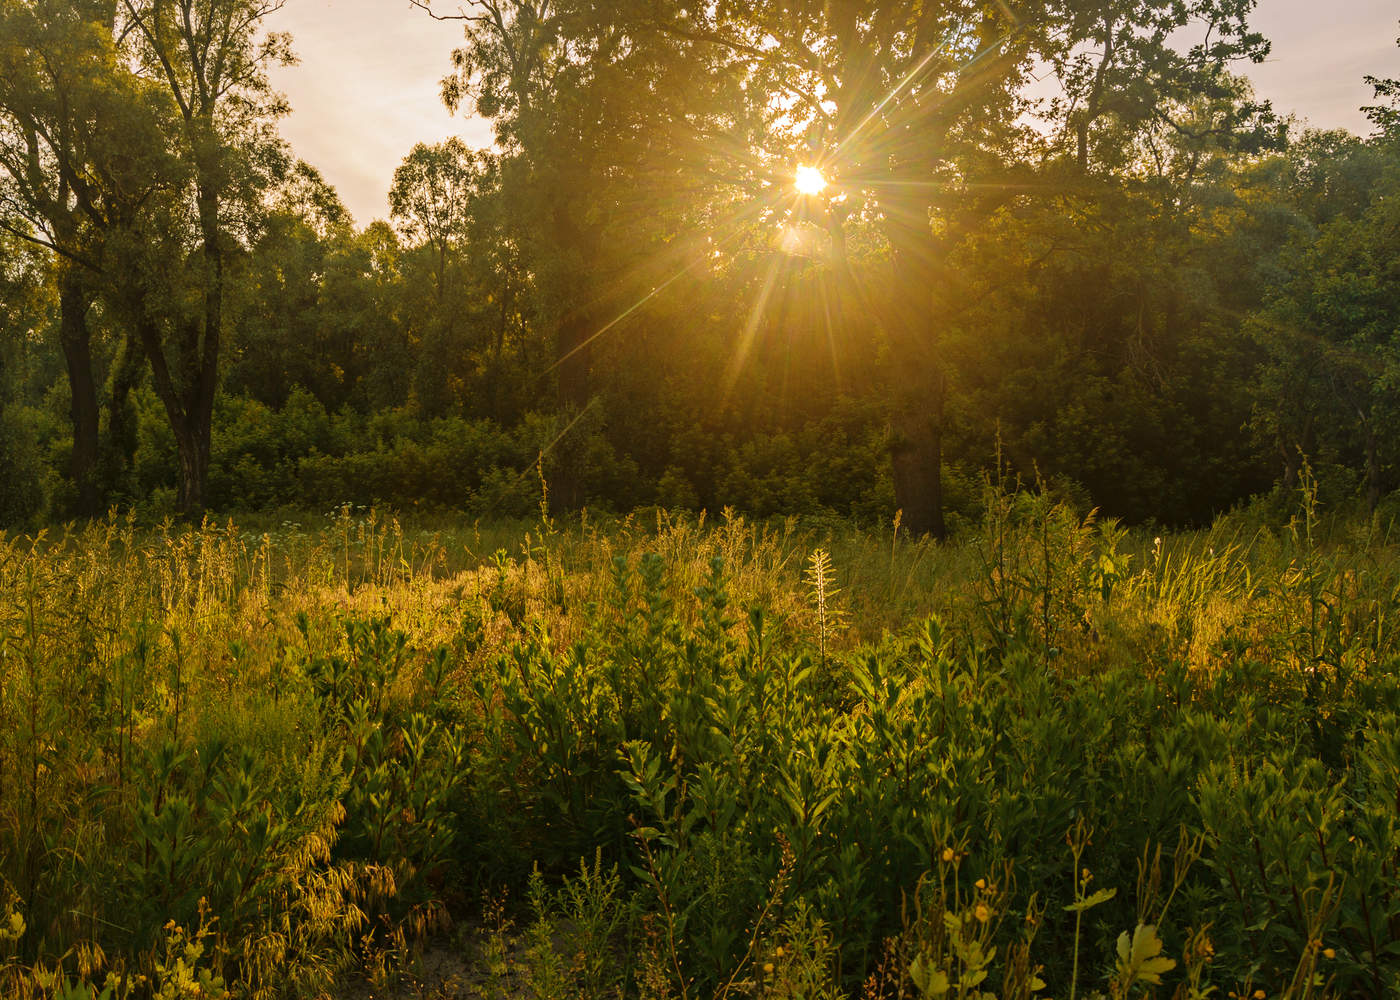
(767, 968)
(1259, 995)
(779, 952)
(948, 855)
(982, 913)
(1329, 952)
(1205, 948)
(981, 883)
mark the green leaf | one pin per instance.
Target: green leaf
(931, 982)
(1089, 902)
(1140, 959)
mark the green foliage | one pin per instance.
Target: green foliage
(1056, 753)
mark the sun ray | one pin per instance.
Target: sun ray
(746, 339)
(836, 372)
(657, 289)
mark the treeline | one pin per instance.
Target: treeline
(1147, 292)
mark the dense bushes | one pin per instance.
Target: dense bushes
(304, 457)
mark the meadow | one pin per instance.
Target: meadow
(687, 756)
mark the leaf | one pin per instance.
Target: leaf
(931, 982)
(1140, 959)
(1089, 902)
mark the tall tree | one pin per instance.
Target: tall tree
(915, 115)
(78, 151)
(26, 295)
(585, 102)
(430, 200)
(211, 63)
(1331, 325)
(281, 339)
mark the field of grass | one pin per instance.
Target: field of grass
(678, 757)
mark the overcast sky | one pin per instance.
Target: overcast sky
(366, 88)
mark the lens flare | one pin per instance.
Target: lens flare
(809, 180)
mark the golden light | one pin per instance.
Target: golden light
(809, 180)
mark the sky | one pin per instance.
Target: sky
(366, 88)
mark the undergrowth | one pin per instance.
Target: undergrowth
(690, 759)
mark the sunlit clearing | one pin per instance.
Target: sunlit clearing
(809, 180)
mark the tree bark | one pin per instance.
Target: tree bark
(192, 434)
(119, 439)
(76, 340)
(193, 445)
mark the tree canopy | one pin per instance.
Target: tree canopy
(1063, 241)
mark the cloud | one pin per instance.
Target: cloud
(366, 90)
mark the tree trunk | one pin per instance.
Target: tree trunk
(187, 388)
(193, 444)
(190, 420)
(193, 422)
(119, 439)
(77, 354)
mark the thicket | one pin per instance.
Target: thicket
(1053, 758)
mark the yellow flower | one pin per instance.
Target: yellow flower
(779, 952)
(768, 968)
(1329, 952)
(981, 883)
(948, 855)
(982, 913)
(1259, 995)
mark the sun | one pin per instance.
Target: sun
(809, 180)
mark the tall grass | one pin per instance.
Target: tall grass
(709, 756)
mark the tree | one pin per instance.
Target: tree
(1385, 115)
(586, 103)
(914, 114)
(25, 301)
(1128, 85)
(79, 150)
(212, 68)
(430, 200)
(281, 337)
(1331, 324)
